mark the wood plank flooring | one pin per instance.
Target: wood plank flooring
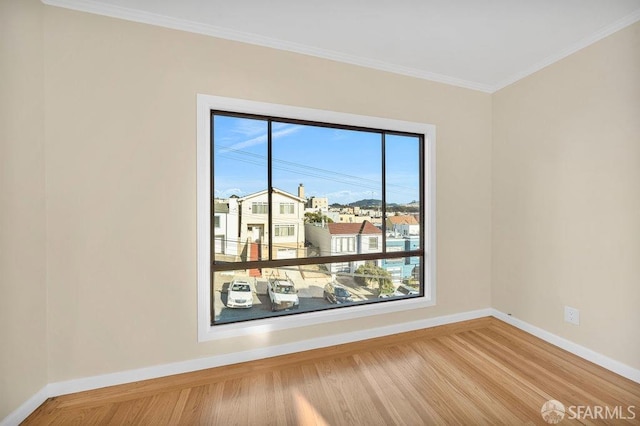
(475, 372)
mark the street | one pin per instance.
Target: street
(309, 283)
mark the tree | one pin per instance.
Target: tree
(316, 217)
(370, 274)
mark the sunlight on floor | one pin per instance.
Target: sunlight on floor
(306, 413)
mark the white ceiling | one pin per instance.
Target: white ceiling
(479, 44)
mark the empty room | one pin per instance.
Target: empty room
(175, 248)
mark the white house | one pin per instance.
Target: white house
(344, 239)
(225, 225)
(404, 225)
(318, 203)
(287, 228)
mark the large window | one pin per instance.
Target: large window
(287, 208)
(264, 163)
(259, 208)
(285, 230)
(344, 245)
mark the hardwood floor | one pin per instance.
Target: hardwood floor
(476, 372)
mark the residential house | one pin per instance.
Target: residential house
(226, 226)
(318, 203)
(346, 218)
(288, 233)
(333, 215)
(403, 225)
(402, 267)
(351, 218)
(344, 239)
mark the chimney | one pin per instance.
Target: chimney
(301, 191)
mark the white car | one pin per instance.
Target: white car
(282, 293)
(239, 294)
(404, 290)
(401, 290)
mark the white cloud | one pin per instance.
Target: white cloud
(226, 193)
(249, 128)
(286, 131)
(244, 144)
(260, 137)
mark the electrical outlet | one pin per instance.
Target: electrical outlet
(571, 315)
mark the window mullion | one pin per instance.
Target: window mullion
(383, 201)
(424, 200)
(312, 260)
(269, 190)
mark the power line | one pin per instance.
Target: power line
(307, 170)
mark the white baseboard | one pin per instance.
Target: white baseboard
(27, 407)
(129, 376)
(95, 382)
(569, 346)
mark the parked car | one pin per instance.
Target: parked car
(405, 290)
(239, 294)
(401, 290)
(282, 293)
(335, 293)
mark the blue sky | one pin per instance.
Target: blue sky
(342, 165)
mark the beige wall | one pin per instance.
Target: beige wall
(98, 126)
(566, 197)
(120, 103)
(558, 193)
(23, 362)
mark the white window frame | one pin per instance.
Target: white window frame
(259, 207)
(207, 332)
(344, 244)
(279, 228)
(290, 207)
(376, 243)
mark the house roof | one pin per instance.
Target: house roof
(365, 227)
(402, 220)
(220, 207)
(276, 191)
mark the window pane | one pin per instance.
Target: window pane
(287, 208)
(402, 156)
(332, 181)
(307, 191)
(239, 189)
(241, 295)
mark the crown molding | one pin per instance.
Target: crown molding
(128, 14)
(134, 15)
(585, 42)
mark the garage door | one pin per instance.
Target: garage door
(286, 253)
